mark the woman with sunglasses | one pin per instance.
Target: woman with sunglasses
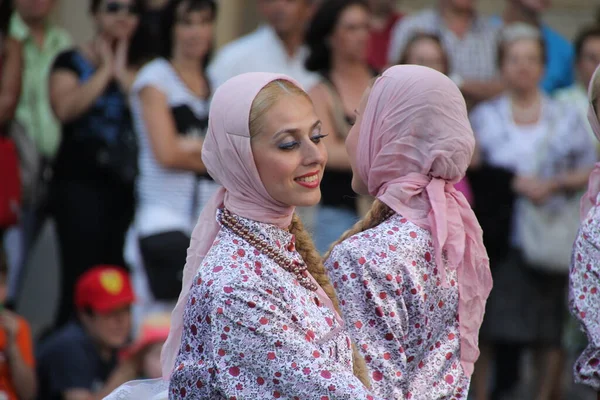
(92, 192)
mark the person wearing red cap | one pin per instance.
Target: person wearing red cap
(80, 360)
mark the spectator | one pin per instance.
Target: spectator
(17, 371)
(547, 147)
(276, 46)
(559, 52)
(80, 360)
(11, 63)
(338, 40)
(469, 38)
(146, 349)
(587, 58)
(41, 40)
(384, 18)
(92, 192)
(169, 101)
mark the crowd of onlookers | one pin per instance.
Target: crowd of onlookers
(106, 139)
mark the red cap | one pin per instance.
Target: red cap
(103, 289)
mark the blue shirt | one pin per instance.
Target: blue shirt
(560, 59)
(69, 360)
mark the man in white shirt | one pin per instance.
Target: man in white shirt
(276, 46)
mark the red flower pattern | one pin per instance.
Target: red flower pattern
(584, 297)
(398, 312)
(243, 336)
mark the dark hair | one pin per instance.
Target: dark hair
(424, 36)
(321, 27)
(6, 11)
(169, 20)
(586, 33)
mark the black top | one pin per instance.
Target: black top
(100, 144)
(336, 185)
(69, 360)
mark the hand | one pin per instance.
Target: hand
(105, 52)
(10, 324)
(120, 60)
(535, 189)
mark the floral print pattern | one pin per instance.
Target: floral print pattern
(401, 315)
(584, 297)
(251, 331)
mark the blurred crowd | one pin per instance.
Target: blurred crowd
(105, 139)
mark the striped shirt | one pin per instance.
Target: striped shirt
(168, 199)
(473, 56)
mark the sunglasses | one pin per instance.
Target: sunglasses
(114, 7)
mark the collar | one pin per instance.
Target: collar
(478, 25)
(271, 36)
(271, 234)
(20, 31)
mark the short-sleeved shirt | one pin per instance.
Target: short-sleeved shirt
(7, 388)
(70, 360)
(169, 199)
(100, 144)
(34, 111)
(472, 56)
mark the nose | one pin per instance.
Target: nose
(314, 154)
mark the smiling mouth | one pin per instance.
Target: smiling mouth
(310, 181)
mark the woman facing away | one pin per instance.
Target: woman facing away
(253, 320)
(584, 296)
(413, 275)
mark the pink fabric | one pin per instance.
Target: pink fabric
(415, 143)
(464, 187)
(589, 199)
(228, 158)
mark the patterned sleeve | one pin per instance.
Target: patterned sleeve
(372, 301)
(584, 303)
(260, 351)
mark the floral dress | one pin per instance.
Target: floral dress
(584, 297)
(251, 331)
(404, 320)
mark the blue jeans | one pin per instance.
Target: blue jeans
(331, 223)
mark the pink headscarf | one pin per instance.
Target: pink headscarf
(228, 158)
(589, 199)
(415, 143)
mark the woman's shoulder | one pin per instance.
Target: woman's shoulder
(156, 72)
(382, 238)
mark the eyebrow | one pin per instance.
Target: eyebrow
(294, 130)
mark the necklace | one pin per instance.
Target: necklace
(298, 268)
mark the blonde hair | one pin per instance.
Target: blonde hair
(377, 214)
(263, 101)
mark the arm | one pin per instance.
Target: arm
(171, 150)
(69, 98)
(584, 304)
(366, 313)
(125, 372)
(10, 81)
(20, 356)
(336, 149)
